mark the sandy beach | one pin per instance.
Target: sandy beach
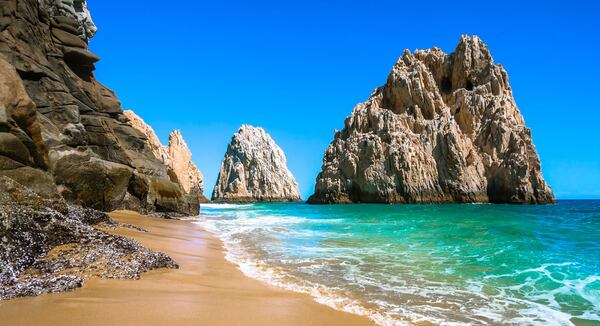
(205, 290)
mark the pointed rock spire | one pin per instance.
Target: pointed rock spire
(176, 156)
(254, 169)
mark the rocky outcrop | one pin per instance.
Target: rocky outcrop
(49, 246)
(184, 171)
(444, 128)
(176, 156)
(72, 133)
(254, 169)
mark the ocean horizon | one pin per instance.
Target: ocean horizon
(452, 264)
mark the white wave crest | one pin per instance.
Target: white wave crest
(224, 205)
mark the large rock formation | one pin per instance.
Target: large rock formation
(176, 156)
(78, 138)
(254, 169)
(444, 128)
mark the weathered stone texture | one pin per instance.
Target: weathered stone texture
(49, 246)
(176, 156)
(70, 125)
(254, 169)
(444, 128)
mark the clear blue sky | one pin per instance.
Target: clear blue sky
(298, 69)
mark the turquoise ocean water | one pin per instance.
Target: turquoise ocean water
(430, 264)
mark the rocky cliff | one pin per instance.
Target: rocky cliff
(176, 156)
(254, 169)
(444, 128)
(23, 152)
(67, 132)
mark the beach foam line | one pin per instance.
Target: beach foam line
(258, 270)
(224, 205)
(320, 294)
(232, 226)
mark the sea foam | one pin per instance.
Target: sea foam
(400, 269)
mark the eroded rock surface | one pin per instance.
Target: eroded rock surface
(47, 245)
(444, 128)
(72, 132)
(176, 156)
(254, 169)
(23, 153)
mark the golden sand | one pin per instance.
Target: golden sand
(205, 290)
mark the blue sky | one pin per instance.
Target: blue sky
(298, 68)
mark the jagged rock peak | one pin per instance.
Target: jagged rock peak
(254, 169)
(443, 128)
(176, 156)
(188, 175)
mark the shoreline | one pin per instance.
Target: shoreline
(206, 289)
(273, 277)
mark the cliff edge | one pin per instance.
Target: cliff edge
(74, 135)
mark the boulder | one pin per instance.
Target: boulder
(93, 182)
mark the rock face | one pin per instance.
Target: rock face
(254, 169)
(176, 156)
(183, 168)
(23, 153)
(70, 131)
(444, 128)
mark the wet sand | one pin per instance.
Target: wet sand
(205, 290)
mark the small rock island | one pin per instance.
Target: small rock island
(254, 169)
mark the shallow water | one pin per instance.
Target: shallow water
(440, 264)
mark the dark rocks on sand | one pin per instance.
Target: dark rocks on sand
(47, 245)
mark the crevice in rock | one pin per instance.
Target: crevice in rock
(31, 75)
(446, 85)
(469, 85)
